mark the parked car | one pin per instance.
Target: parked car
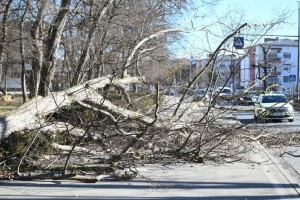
(273, 106)
(224, 93)
(247, 98)
(201, 95)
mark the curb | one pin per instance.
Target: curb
(289, 173)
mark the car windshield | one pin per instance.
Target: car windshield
(226, 91)
(274, 99)
(200, 91)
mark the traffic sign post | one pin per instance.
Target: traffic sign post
(292, 77)
(238, 42)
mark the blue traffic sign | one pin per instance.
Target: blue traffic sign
(238, 42)
(292, 77)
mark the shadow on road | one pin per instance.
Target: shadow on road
(100, 188)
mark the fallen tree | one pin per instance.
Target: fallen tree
(103, 131)
(33, 114)
(85, 126)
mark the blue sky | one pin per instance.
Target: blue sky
(264, 10)
(240, 11)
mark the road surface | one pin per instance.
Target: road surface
(246, 117)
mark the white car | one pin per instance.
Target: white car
(273, 106)
(201, 94)
(225, 93)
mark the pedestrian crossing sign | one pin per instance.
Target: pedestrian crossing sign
(292, 77)
(238, 42)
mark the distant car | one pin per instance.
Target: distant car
(247, 98)
(273, 106)
(201, 95)
(254, 98)
(224, 93)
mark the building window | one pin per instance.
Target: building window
(286, 67)
(272, 55)
(273, 79)
(287, 55)
(15, 74)
(272, 69)
(286, 79)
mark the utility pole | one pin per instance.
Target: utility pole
(298, 73)
(190, 73)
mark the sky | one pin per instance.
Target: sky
(264, 10)
(250, 11)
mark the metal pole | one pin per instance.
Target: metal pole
(298, 73)
(190, 72)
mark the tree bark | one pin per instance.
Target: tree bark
(265, 67)
(52, 44)
(37, 44)
(23, 63)
(32, 114)
(4, 36)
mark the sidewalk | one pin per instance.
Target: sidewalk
(258, 178)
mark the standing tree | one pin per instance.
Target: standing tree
(37, 37)
(52, 43)
(6, 5)
(22, 52)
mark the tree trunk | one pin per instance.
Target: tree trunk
(23, 72)
(52, 44)
(32, 114)
(265, 67)
(4, 35)
(37, 59)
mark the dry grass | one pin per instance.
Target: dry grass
(8, 103)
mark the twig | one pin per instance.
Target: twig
(289, 153)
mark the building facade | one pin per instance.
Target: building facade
(223, 71)
(11, 80)
(272, 64)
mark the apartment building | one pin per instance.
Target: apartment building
(224, 72)
(274, 63)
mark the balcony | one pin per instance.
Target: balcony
(274, 60)
(275, 73)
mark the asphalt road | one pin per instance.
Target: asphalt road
(288, 155)
(260, 177)
(246, 117)
(172, 181)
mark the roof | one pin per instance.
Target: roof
(283, 42)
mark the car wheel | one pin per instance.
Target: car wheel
(291, 120)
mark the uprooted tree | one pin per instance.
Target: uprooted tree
(97, 122)
(89, 120)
